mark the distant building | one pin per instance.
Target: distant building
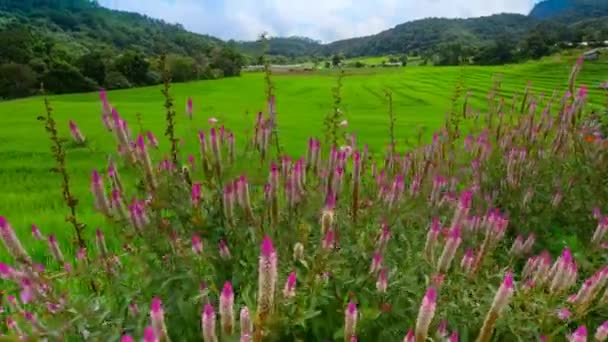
(393, 64)
(583, 44)
(592, 55)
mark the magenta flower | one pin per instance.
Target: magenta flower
(449, 250)
(382, 282)
(99, 194)
(579, 335)
(431, 238)
(126, 338)
(246, 325)
(267, 276)
(36, 232)
(196, 195)
(289, 291)
(149, 335)
(76, 133)
(208, 324)
(442, 329)
(454, 337)
(6, 272)
(425, 314)
(409, 337)
(11, 242)
(376, 262)
(55, 250)
(197, 244)
(227, 308)
(157, 318)
(189, 108)
(329, 240)
(350, 321)
(224, 251)
(468, 260)
(563, 314)
(152, 139)
(601, 334)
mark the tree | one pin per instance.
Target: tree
(228, 60)
(64, 78)
(16, 80)
(336, 60)
(92, 66)
(16, 43)
(535, 46)
(134, 66)
(116, 80)
(182, 68)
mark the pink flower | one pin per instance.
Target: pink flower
(55, 250)
(564, 314)
(468, 261)
(189, 108)
(157, 318)
(6, 272)
(212, 121)
(583, 92)
(454, 337)
(149, 335)
(376, 262)
(382, 282)
(504, 293)
(579, 335)
(289, 291)
(227, 308)
(196, 195)
(246, 325)
(267, 276)
(152, 139)
(208, 324)
(602, 332)
(409, 337)
(197, 244)
(449, 250)
(426, 313)
(11, 242)
(99, 194)
(126, 338)
(224, 251)
(442, 329)
(431, 237)
(350, 321)
(36, 232)
(76, 133)
(329, 240)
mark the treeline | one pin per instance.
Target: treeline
(75, 46)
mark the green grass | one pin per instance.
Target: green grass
(31, 194)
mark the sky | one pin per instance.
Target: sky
(323, 20)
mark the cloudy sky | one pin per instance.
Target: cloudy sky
(325, 20)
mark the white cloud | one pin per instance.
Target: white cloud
(326, 20)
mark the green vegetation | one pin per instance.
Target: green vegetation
(421, 96)
(76, 45)
(494, 229)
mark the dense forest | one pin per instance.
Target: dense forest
(77, 45)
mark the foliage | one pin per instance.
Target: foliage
(97, 41)
(64, 78)
(450, 217)
(321, 275)
(16, 80)
(116, 80)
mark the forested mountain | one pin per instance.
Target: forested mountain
(570, 9)
(494, 39)
(77, 45)
(284, 46)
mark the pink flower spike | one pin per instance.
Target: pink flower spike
(564, 314)
(376, 262)
(580, 335)
(266, 247)
(152, 139)
(36, 232)
(197, 244)
(149, 335)
(454, 337)
(602, 332)
(126, 338)
(227, 308)
(289, 291)
(350, 321)
(409, 337)
(208, 324)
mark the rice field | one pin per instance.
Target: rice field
(31, 194)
